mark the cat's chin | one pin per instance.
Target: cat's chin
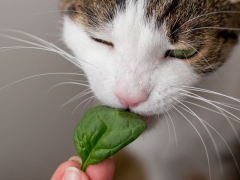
(151, 121)
(147, 119)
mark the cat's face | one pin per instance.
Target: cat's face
(137, 54)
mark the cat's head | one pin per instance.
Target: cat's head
(137, 54)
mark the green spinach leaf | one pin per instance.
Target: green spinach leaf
(103, 131)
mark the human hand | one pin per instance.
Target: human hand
(70, 170)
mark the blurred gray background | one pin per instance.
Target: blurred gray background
(33, 139)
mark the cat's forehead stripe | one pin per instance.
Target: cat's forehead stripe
(159, 10)
(94, 13)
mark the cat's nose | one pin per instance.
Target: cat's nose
(131, 100)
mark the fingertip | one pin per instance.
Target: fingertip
(76, 159)
(102, 171)
(73, 173)
(59, 173)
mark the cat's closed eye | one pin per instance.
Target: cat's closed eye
(103, 41)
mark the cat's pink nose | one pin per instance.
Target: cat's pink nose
(131, 100)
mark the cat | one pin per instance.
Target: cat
(146, 56)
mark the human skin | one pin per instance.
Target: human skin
(70, 170)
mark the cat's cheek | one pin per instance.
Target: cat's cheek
(103, 90)
(169, 91)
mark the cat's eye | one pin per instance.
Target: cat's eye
(182, 54)
(102, 41)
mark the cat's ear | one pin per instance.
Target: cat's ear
(234, 1)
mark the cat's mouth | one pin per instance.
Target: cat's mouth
(147, 119)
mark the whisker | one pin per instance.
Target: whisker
(209, 110)
(39, 75)
(220, 137)
(211, 92)
(77, 97)
(87, 103)
(53, 11)
(169, 133)
(205, 147)
(95, 102)
(225, 143)
(207, 14)
(225, 105)
(209, 133)
(64, 83)
(76, 62)
(82, 103)
(174, 128)
(84, 93)
(218, 28)
(76, 80)
(4, 49)
(231, 106)
(61, 52)
(219, 109)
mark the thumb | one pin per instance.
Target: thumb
(102, 171)
(73, 173)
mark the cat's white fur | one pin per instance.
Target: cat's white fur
(137, 62)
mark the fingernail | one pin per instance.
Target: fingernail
(76, 159)
(72, 173)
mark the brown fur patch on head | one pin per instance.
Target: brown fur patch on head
(200, 25)
(93, 14)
